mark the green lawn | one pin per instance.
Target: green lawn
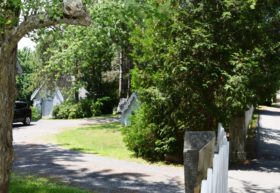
(31, 184)
(103, 139)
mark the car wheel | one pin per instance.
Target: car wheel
(27, 121)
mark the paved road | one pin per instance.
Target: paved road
(106, 175)
(263, 176)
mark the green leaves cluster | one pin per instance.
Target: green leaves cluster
(200, 63)
(25, 81)
(84, 108)
(11, 9)
(90, 54)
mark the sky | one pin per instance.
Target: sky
(26, 42)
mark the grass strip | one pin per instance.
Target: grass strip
(102, 139)
(32, 184)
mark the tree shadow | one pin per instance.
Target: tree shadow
(267, 148)
(81, 170)
(19, 125)
(100, 120)
(269, 112)
(252, 188)
(276, 105)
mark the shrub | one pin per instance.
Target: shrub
(56, 111)
(36, 115)
(145, 139)
(84, 108)
(74, 111)
(96, 108)
(103, 105)
(153, 134)
(63, 112)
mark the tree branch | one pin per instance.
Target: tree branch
(37, 21)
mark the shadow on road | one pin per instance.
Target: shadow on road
(269, 112)
(50, 161)
(253, 188)
(268, 146)
(21, 126)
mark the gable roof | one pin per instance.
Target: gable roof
(37, 92)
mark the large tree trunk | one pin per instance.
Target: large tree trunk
(10, 34)
(237, 130)
(7, 98)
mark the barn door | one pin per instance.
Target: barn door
(47, 107)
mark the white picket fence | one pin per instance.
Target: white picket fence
(217, 177)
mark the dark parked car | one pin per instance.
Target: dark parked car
(22, 113)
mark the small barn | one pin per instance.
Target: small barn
(45, 100)
(128, 109)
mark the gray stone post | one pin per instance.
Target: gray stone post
(198, 150)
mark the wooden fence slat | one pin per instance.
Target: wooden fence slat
(217, 177)
(210, 180)
(204, 186)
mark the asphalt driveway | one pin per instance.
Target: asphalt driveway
(105, 175)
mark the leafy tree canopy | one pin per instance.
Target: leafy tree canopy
(25, 80)
(89, 55)
(200, 63)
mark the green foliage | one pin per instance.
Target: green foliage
(68, 110)
(73, 111)
(55, 112)
(96, 108)
(78, 58)
(199, 63)
(36, 115)
(25, 82)
(34, 184)
(61, 111)
(84, 108)
(90, 55)
(103, 105)
(142, 140)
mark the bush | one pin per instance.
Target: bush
(107, 105)
(151, 141)
(153, 134)
(36, 115)
(84, 108)
(56, 111)
(74, 111)
(96, 108)
(104, 105)
(63, 111)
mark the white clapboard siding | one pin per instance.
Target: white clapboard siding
(217, 177)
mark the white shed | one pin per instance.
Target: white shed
(130, 106)
(45, 100)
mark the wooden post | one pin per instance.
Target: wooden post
(195, 165)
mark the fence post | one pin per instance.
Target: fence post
(194, 141)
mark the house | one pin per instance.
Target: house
(45, 100)
(130, 106)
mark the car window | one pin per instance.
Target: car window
(21, 105)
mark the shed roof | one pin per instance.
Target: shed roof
(37, 91)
